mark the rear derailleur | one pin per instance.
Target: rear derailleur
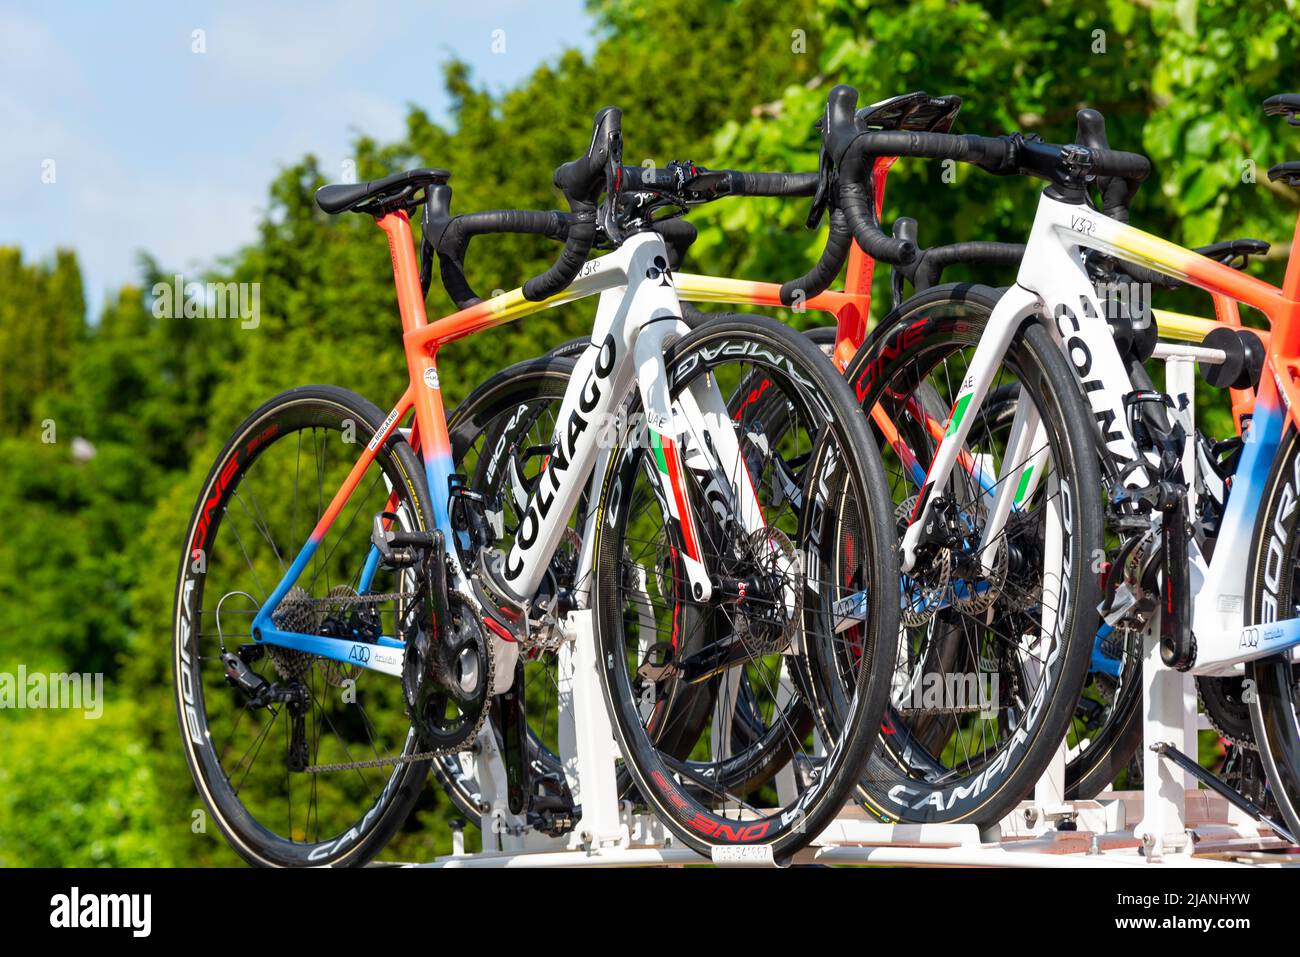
(261, 693)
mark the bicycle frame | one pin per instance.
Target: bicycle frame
(1053, 288)
(638, 313)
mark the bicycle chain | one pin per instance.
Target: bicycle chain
(410, 758)
(374, 598)
(381, 762)
(1242, 742)
(419, 755)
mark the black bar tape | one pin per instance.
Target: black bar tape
(859, 205)
(582, 233)
(820, 277)
(739, 182)
(1118, 163)
(772, 184)
(452, 244)
(929, 270)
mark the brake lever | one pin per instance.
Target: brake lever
(607, 214)
(437, 211)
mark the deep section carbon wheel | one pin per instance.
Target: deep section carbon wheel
(995, 649)
(804, 615)
(322, 770)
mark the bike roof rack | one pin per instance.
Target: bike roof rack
(1171, 822)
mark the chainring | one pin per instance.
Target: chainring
(447, 681)
(1228, 713)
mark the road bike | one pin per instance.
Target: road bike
(1106, 730)
(1219, 615)
(693, 560)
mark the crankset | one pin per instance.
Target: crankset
(447, 672)
(1167, 496)
(513, 731)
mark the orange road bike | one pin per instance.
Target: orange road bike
(349, 607)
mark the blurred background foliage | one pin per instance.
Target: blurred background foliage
(89, 545)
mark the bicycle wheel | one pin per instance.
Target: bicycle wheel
(296, 783)
(831, 628)
(1107, 727)
(968, 745)
(1273, 587)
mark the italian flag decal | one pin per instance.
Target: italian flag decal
(669, 465)
(958, 413)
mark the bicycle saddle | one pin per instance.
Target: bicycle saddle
(911, 111)
(358, 197)
(1284, 104)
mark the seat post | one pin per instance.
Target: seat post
(1291, 282)
(406, 270)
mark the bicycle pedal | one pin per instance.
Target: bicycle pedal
(550, 806)
(1163, 496)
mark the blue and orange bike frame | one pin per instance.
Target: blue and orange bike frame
(627, 347)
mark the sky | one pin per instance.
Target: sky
(117, 136)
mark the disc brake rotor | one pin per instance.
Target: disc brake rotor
(976, 596)
(923, 589)
(770, 627)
